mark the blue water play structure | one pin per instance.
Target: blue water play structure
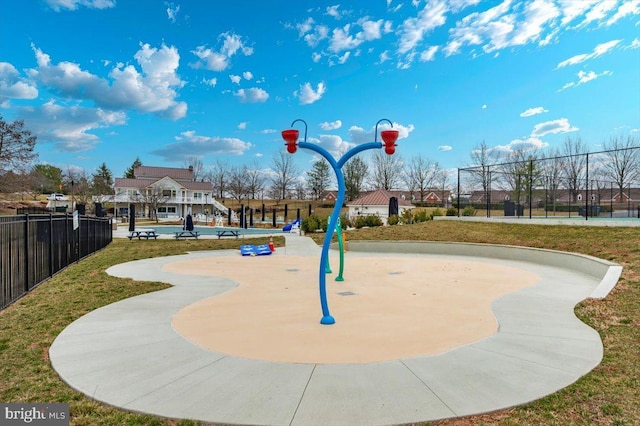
(290, 137)
(251, 250)
(291, 226)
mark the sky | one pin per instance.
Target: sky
(111, 80)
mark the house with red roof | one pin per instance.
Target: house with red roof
(376, 203)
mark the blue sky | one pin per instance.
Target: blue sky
(108, 80)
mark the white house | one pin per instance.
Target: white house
(376, 203)
(173, 190)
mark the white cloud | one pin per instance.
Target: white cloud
(307, 95)
(631, 7)
(68, 127)
(342, 59)
(210, 82)
(484, 106)
(151, 90)
(571, 9)
(599, 50)
(334, 144)
(560, 125)
(235, 78)
(252, 95)
(533, 111)
(518, 145)
(429, 54)
(172, 11)
(599, 11)
(331, 125)
(305, 26)
(12, 86)
(189, 144)
(584, 77)
(445, 148)
(341, 39)
(413, 30)
(635, 44)
(247, 75)
(220, 60)
(334, 12)
(359, 135)
(259, 154)
(315, 57)
(268, 131)
(242, 125)
(58, 5)
(384, 56)
(320, 32)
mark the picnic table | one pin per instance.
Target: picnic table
(187, 234)
(227, 233)
(143, 233)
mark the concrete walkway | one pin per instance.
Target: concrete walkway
(128, 355)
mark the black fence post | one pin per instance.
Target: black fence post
(50, 244)
(263, 212)
(309, 210)
(26, 253)
(229, 216)
(298, 214)
(274, 217)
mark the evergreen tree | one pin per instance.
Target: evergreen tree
(129, 172)
(16, 146)
(319, 178)
(102, 180)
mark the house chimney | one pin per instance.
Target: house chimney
(190, 168)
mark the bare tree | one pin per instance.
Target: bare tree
(355, 172)
(574, 165)
(521, 173)
(198, 167)
(622, 164)
(481, 160)
(441, 179)
(219, 176)
(419, 175)
(286, 173)
(236, 184)
(551, 170)
(386, 170)
(154, 197)
(254, 180)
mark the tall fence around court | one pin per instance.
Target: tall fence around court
(585, 185)
(35, 247)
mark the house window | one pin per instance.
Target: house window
(169, 193)
(170, 209)
(197, 195)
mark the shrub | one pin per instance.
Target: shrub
(368, 220)
(436, 212)
(452, 211)
(469, 211)
(312, 223)
(393, 219)
(421, 216)
(407, 217)
(345, 222)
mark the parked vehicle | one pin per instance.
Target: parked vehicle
(57, 197)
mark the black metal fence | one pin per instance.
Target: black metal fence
(601, 184)
(35, 247)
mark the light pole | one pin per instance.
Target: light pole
(291, 140)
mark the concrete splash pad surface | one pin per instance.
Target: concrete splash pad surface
(128, 354)
(387, 308)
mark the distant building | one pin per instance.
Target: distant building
(172, 190)
(376, 203)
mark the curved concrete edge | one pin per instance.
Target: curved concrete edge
(607, 272)
(127, 354)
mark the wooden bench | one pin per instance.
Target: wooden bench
(143, 233)
(227, 233)
(187, 234)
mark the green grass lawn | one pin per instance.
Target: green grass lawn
(610, 395)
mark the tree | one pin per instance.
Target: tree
(154, 197)
(254, 180)
(574, 165)
(551, 169)
(46, 178)
(480, 160)
(196, 164)
(236, 185)
(129, 172)
(355, 173)
(622, 164)
(521, 173)
(286, 173)
(318, 178)
(219, 176)
(419, 175)
(386, 170)
(102, 181)
(16, 146)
